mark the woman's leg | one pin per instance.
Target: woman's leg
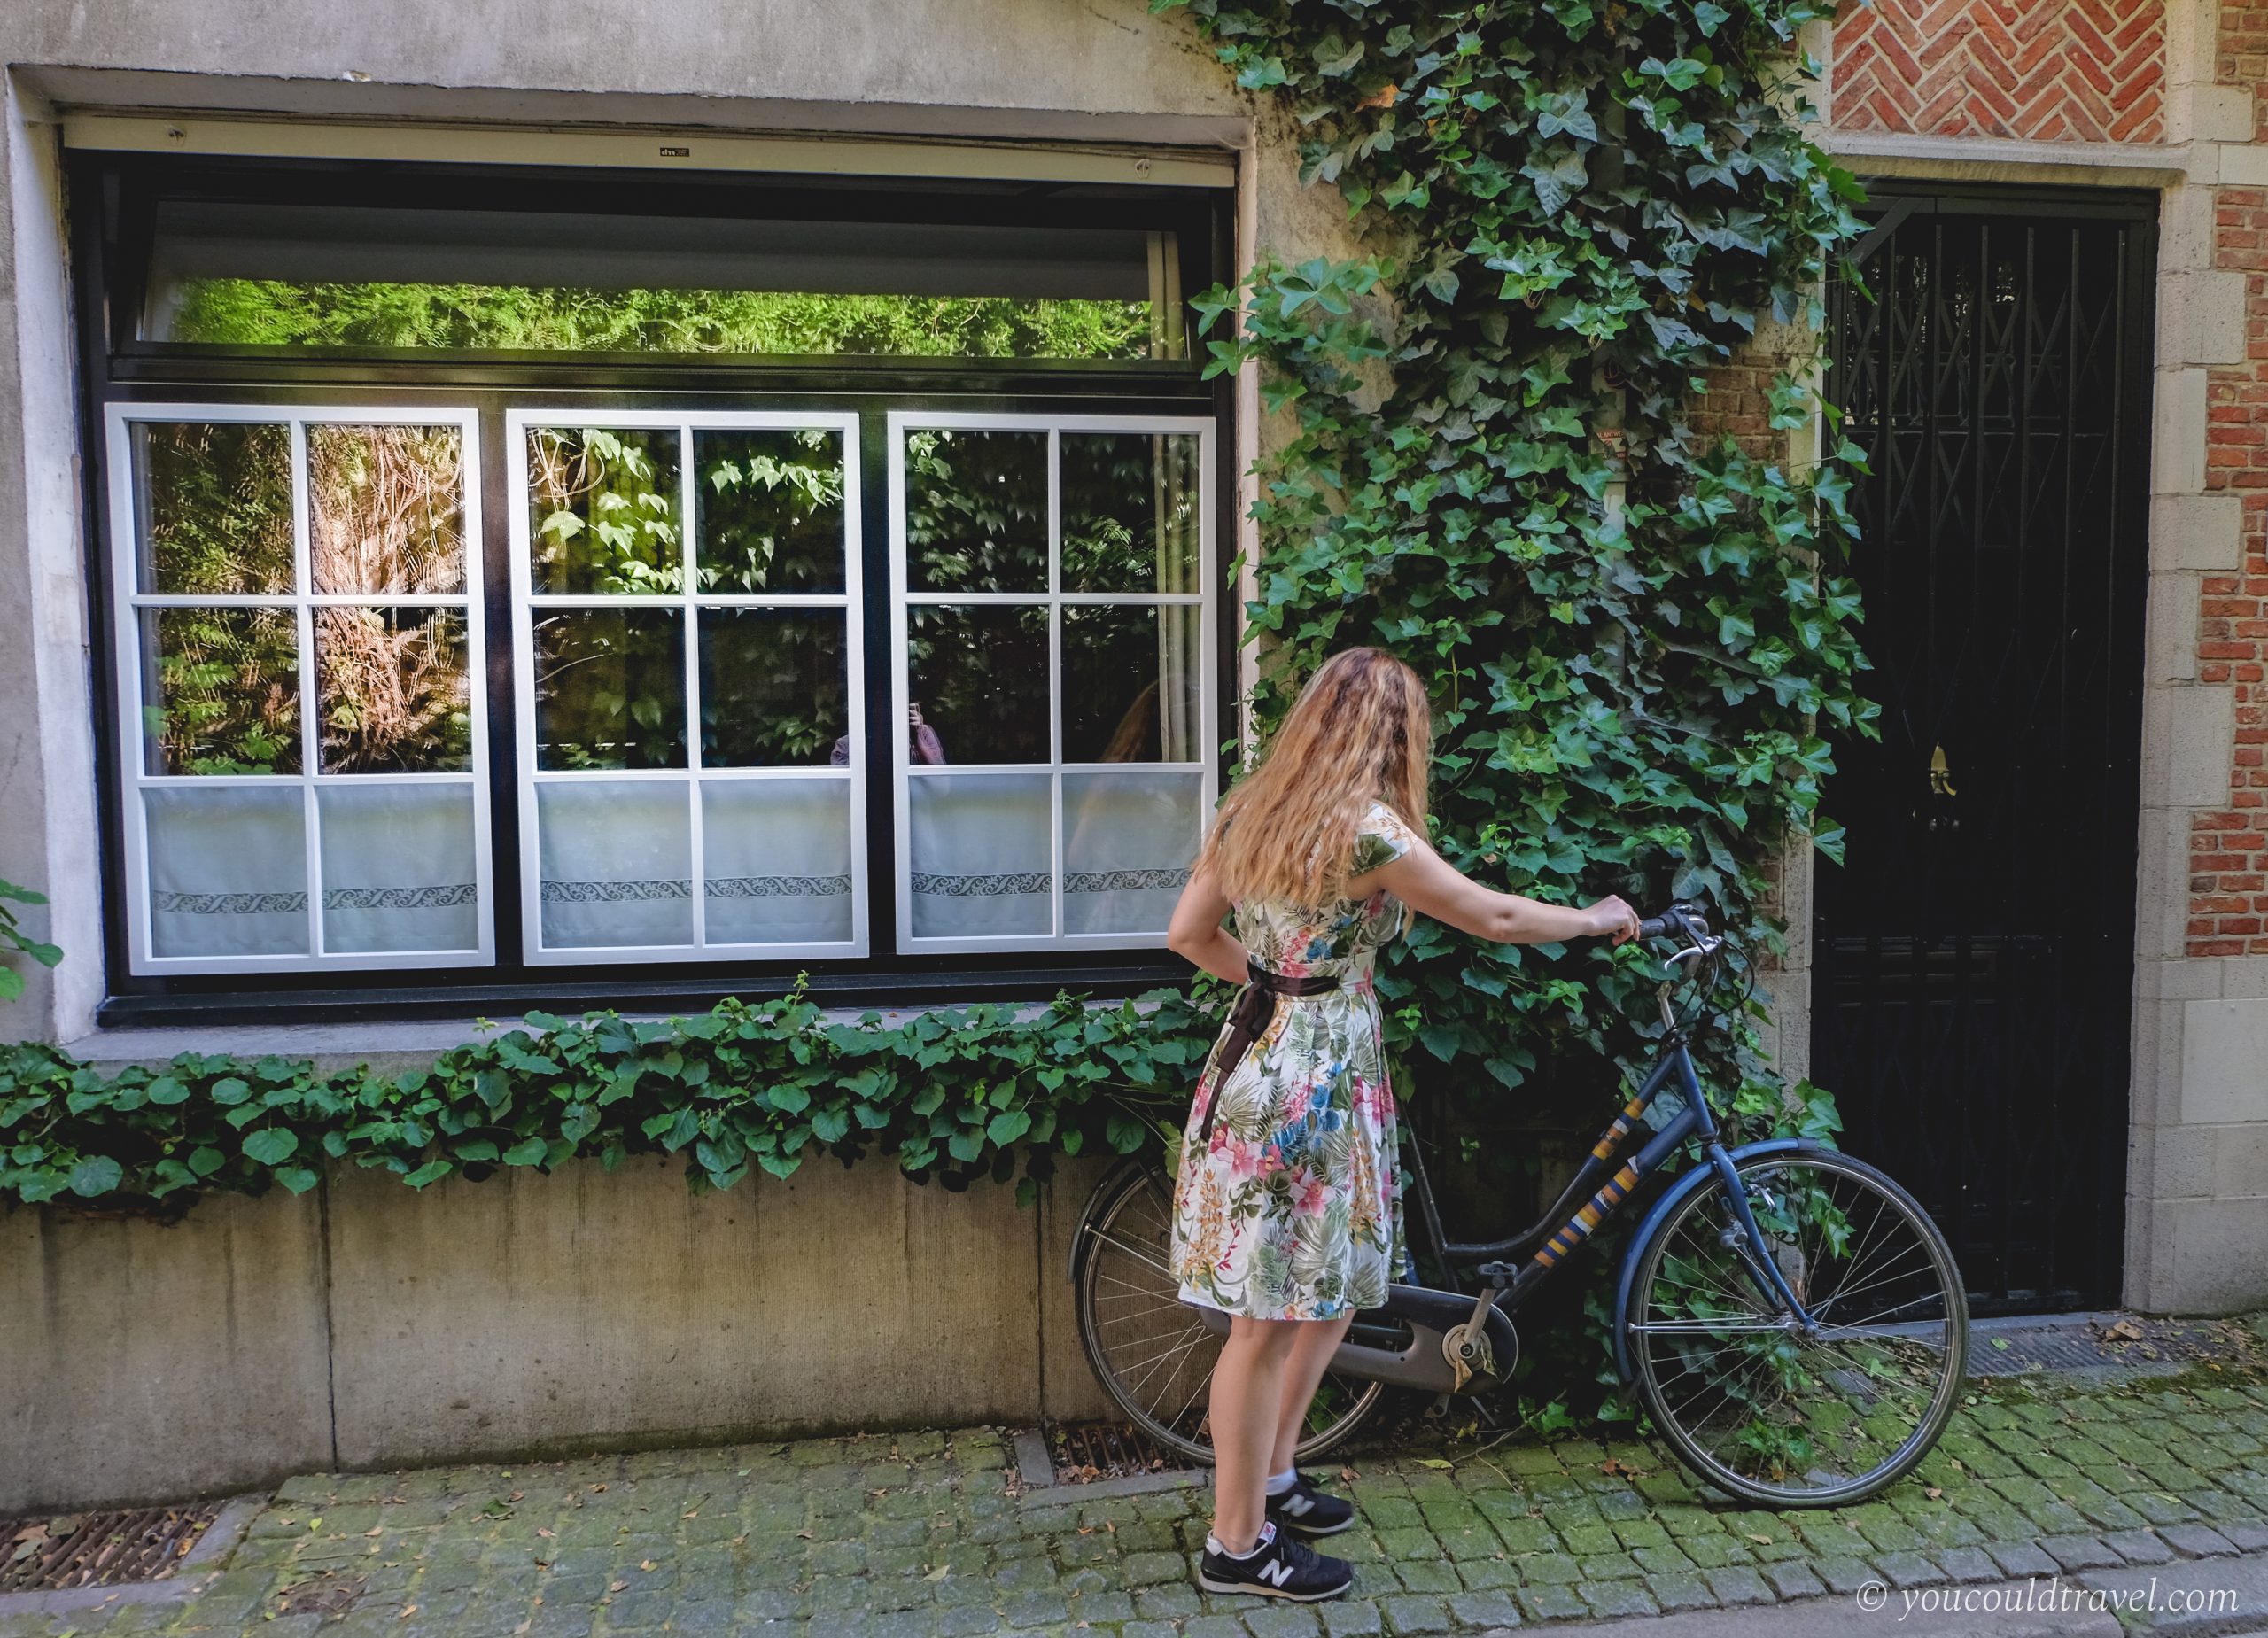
(1248, 1402)
(1309, 1358)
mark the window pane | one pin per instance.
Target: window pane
(392, 690)
(770, 509)
(602, 510)
(1130, 683)
(1127, 841)
(773, 689)
(977, 676)
(245, 274)
(615, 859)
(976, 511)
(778, 857)
(214, 507)
(1130, 512)
(610, 688)
(227, 870)
(220, 691)
(398, 869)
(385, 508)
(980, 859)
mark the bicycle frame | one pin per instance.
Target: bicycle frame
(1463, 1343)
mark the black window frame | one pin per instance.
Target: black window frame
(113, 199)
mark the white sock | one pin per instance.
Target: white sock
(1278, 1483)
(1213, 1543)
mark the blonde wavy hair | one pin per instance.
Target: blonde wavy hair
(1361, 732)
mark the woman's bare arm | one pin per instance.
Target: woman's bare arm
(1196, 931)
(1428, 883)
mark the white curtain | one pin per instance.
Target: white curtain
(980, 863)
(227, 870)
(398, 868)
(1128, 840)
(615, 863)
(777, 856)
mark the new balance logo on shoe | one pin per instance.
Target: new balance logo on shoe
(1277, 1573)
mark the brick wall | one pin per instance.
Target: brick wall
(2041, 70)
(2228, 847)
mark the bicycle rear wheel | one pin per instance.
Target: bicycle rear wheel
(1756, 1404)
(1153, 1353)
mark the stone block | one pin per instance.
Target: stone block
(2224, 1063)
(2203, 533)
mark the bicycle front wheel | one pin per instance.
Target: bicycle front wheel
(1153, 1353)
(1779, 1413)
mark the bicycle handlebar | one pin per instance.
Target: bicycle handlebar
(1679, 918)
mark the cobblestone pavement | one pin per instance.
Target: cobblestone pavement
(926, 1534)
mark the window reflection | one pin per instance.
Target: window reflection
(214, 508)
(773, 686)
(602, 510)
(385, 508)
(392, 690)
(976, 511)
(1130, 682)
(610, 688)
(978, 675)
(221, 690)
(1130, 512)
(769, 505)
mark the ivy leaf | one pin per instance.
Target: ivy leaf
(97, 1174)
(297, 1179)
(1005, 1127)
(527, 1151)
(830, 1125)
(270, 1145)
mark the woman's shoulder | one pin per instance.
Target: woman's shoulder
(1382, 837)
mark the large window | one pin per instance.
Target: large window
(1052, 676)
(552, 586)
(691, 777)
(300, 739)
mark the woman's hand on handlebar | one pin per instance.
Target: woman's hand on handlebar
(1610, 918)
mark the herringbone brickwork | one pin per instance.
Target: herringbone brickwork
(2043, 70)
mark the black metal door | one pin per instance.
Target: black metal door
(1973, 954)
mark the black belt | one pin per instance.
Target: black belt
(1255, 1011)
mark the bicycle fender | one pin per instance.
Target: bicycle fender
(1077, 1254)
(1626, 1277)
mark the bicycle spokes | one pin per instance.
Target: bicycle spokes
(1818, 1399)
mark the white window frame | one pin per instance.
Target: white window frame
(688, 602)
(1204, 428)
(128, 602)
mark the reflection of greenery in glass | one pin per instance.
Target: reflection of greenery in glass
(392, 694)
(385, 508)
(216, 507)
(602, 510)
(1130, 512)
(610, 688)
(272, 313)
(1118, 696)
(979, 677)
(772, 687)
(224, 690)
(976, 511)
(769, 502)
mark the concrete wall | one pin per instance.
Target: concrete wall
(365, 1326)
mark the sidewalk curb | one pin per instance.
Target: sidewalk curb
(2243, 1577)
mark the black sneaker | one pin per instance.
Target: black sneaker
(1305, 1509)
(1280, 1567)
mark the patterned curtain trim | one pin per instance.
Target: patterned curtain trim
(230, 903)
(1038, 881)
(401, 898)
(718, 887)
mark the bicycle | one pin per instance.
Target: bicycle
(1736, 1312)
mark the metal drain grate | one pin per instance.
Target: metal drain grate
(47, 1555)
(2110, 1342)
(1085, 1452)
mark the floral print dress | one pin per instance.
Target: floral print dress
(1293, 1208)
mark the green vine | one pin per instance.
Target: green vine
(954, 1095)
(1579, 217)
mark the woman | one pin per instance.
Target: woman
(1287, 1214)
